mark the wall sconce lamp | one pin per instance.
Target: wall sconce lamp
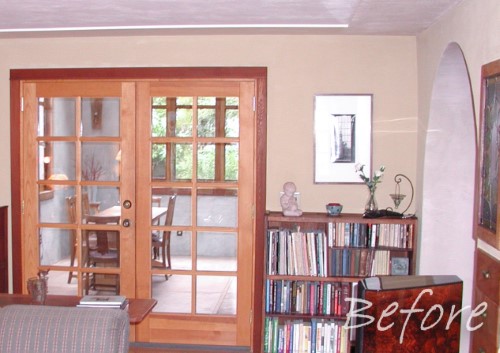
(397, 197)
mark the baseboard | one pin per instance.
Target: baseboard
(189, 347)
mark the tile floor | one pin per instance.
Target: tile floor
(216, 295)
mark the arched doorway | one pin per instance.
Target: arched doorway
(448, 178)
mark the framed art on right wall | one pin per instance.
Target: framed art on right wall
(487, 210)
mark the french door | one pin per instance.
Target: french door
(174, 161)
(191, 147)
(72, 133)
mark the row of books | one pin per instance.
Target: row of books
(351, 262)
(364, 235)
(308, 298)
(103, 301)
(367, 262)
(295, 253)
(298, 336)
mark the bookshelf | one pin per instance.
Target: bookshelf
(314, 262)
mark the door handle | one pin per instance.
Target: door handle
(127, 204)
(126, 223)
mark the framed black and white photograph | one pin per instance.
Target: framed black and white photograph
(342, 136)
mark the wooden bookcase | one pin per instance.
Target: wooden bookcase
(314, 262)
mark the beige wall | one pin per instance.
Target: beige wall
(299, 67)
(446, 165)
(475, 26)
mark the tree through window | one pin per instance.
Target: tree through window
(208, 126)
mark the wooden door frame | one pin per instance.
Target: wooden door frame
(259, 74)
(4, 250)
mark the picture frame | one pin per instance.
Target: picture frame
(342, 137)
(489, 153)
(400, 266)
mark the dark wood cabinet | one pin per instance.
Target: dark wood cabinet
(4, 250)
(433, 327)
(486, 290)
(486, 339)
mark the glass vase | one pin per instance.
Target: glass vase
(371, 203)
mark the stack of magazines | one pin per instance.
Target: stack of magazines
(103, 301)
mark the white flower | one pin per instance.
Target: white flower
(371, 183)
(379, 172)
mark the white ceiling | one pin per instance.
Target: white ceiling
(56, 17)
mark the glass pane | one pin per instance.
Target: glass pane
(232, 125)
(172, 117)
(99, 161)
(206, 162)
(159, 101)
(102, 284)
(56, 161)
(90, 204)
(159, 161)
(183, 161)
(181, 250)
(101, 246)
(216, 295)
(56, 209)
(217, 208)
(216, 251)
(183, 116)
(231, 159)
(174, 253)
(206, 117)
(206, 101)
(56, 247)
(100, 117)
(103, 200)
(174, 295)
(159, 117)
(182, 214)
(163, 214)
(56, 116)
(58, 283)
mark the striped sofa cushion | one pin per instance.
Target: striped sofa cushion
(51, 329)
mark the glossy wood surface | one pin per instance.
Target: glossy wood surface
(488, 276)
(438, 339)
(486, 339)
(138, 309)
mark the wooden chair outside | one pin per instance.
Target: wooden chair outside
(160, 241)
(103, 251)
(89, 208)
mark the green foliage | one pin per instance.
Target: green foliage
(183, 152)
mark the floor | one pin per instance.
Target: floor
(151, 348)
(216, 295)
